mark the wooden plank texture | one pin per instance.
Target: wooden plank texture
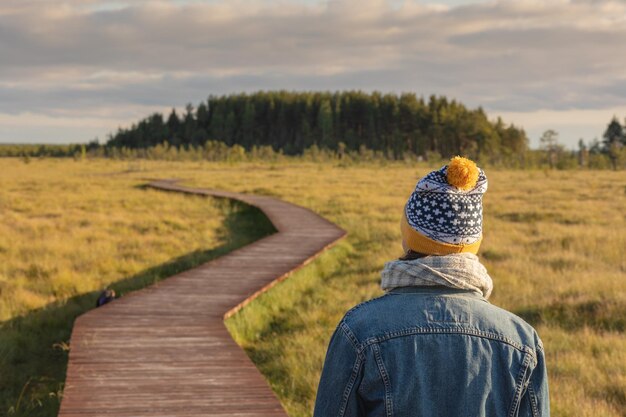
(165, 351)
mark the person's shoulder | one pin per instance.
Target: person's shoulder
(499, 320)
(391, 313)
(364, 309)
(365, 317)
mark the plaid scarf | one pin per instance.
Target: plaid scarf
(458, 270)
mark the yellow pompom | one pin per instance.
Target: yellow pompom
(462, 173)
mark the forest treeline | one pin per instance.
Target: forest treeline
(350, 126)
(46, 150)
(295, 121)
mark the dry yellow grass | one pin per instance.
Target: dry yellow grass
(68, 229)
(553, 244)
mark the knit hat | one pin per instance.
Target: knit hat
(444, 213)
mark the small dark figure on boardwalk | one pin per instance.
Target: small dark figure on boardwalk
(106, 296)
(433, 345)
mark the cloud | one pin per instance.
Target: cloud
(87, 56)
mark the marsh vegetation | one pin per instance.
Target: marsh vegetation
(553, 244)
(67, 230)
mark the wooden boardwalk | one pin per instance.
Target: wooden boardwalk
(165, 351)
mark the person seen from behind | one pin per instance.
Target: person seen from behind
(433, 346)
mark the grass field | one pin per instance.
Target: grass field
(69, 229)
(553, 243)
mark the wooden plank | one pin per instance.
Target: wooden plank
(164, 350)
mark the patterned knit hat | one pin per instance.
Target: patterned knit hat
(444, 214)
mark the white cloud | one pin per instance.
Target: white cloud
(512, 57)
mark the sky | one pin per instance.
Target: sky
(74, 70)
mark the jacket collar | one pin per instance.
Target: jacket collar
(437, 290)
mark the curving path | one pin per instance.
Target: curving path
(165, 351)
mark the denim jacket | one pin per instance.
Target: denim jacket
(433, 351)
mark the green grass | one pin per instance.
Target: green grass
(553, 244)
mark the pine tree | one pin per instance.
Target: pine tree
(614, 138)
(549, 143)
(325, 124)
